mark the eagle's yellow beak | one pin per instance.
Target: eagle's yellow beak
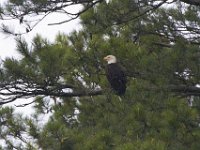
(105, 58)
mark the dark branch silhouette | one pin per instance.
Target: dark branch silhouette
(28, 11)
(11, 91)
(192, 2)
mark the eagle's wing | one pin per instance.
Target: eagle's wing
(117, 78)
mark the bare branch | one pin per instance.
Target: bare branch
(29, 10)
(75, 16)
(26, 104)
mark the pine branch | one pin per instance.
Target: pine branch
(42, 9)
(185, 90)
(11, 92)
(192, 2)
(76, 15)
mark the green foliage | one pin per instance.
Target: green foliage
(159, 51)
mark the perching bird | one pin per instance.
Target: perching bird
(115, 75)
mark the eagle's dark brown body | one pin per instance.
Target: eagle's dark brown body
(116, 77)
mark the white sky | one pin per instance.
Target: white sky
(7, 42)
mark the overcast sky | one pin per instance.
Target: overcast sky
(7, 42)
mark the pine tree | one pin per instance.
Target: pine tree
(160, 109)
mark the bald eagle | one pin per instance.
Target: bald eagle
(115, 75)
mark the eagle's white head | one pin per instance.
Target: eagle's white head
(110, 59)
